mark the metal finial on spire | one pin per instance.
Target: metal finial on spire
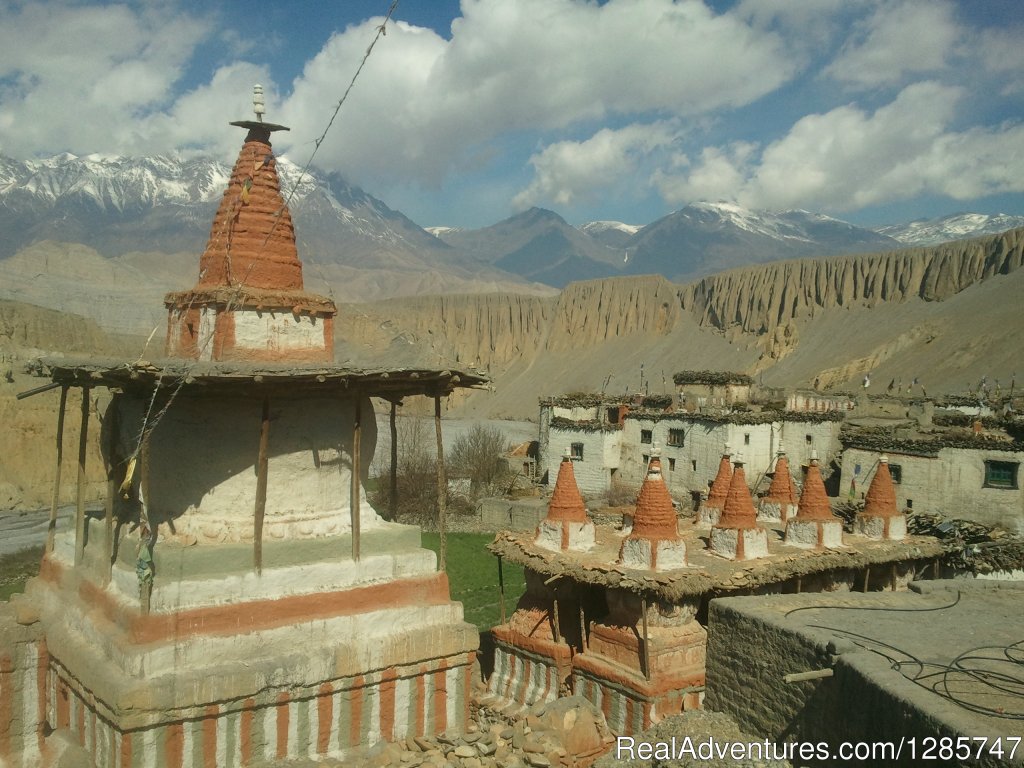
(258, 104)
(257, 128)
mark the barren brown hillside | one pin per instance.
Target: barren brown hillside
(944, 315)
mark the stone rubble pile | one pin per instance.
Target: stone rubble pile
(567, 733)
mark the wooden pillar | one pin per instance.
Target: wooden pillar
(357, 429)
(501, 590)
(83, 444)
(554, 615)
(52, 528)
(442, 522)
(393, 496)
(261, 487)
(583, 629)
(113, 463)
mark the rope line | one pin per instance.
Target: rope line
(381, 31)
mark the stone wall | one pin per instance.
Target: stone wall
(752, 645)
(499, 514)
(749, 651)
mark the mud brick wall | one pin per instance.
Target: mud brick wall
(21, 708)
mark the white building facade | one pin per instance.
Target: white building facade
(980, 483)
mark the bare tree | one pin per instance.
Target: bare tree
(478, 455)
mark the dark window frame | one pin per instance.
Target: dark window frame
(676, 437)
(576, 451)
(896, 473)
(646, 436)
(1009, 469)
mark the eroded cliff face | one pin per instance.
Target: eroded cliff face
(764, 309)
(27, 446)
(486, 331)
(595, 311)
(756, 300)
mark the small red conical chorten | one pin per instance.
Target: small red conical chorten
(655, 517)
(566, 501)
(738, 511)
(881, 497)
(720, 485)
(781, 490)
(654, 542)
(566, 525)
(880, 518)
(737, 535)
(814, 503)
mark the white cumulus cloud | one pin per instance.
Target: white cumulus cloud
(424, 104)
(76, 77)
(898, 39)
(569, 171)
(849, 158)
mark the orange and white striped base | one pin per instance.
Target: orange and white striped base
(329, 720)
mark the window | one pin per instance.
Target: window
(746, 439)
(576, 451)
(809, 439)
(676, 436)
(896, 470)
(647, 461)
(613, 415)
(1001, 474)
(694, 463)
(646, 436)
(671, 465)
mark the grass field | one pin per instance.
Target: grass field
(16, 569)
(473, 576)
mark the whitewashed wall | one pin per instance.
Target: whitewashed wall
(951, 484)
(203, 459)
(601, 451)
(696, 461)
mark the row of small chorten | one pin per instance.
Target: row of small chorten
(653, 541)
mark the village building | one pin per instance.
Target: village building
(611, 441)
(711, 389)
(953, 473)
(238, 601)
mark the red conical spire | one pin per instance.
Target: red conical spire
(720, 485)
(781, 489)
(252, 241)
(738, 511)
(655, 517)
(881, 497)
(814, 501)
(566, 502)
(249, 303)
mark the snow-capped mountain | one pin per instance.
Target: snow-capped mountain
(957, 226)
(121, 204)
(614, 234)
(165, 205)
(708, 237)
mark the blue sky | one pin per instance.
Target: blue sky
(875, 111)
